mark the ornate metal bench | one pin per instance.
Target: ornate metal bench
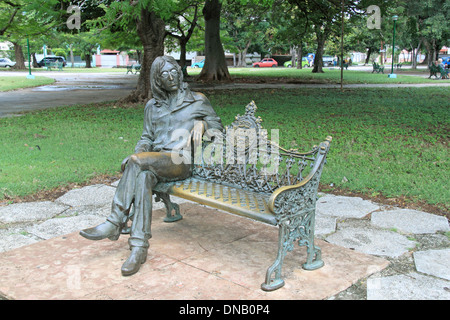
(438, 72)
(285, 198)
(377, 68)
(135, 67)
(57, 65)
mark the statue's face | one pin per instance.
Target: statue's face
(169, 78)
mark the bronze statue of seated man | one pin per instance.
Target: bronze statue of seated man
(173, 107)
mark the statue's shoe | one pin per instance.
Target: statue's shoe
(137, 257)
(102, 231)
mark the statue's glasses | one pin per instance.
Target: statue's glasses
(173, 73)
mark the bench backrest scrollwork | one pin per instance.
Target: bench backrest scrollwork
(245, 157)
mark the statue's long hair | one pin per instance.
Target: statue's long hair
(159, 94)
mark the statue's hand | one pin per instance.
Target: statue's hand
(124, 163)
(196, 133)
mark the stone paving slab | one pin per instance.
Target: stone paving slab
(61, 226)
(433, 262)
(370, 241)
(14, 238)
(30, 211)
(95, 195)
(225, 256)
(344, 207)
(324, 225)
(410, 221)
(412, 286)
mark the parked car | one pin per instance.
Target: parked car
(327, 61)
(51, 59)
(267, 62)
(6, 63)
(199, 64)
(305, 63)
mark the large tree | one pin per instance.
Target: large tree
(148, 19)
(292, 27)
(429, 23)
(246, 25)
(325, 19)
(183, 24)
(22, 19)
(323, 16)
(215, 67)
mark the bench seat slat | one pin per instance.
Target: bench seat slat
(242, 202)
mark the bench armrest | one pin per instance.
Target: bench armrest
(313, 176)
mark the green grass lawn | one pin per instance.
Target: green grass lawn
(17, 82)
(392, 142)
(330, 75)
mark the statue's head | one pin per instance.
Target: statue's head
(166, 76)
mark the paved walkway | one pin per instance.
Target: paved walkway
(415, 243)
(68, 89)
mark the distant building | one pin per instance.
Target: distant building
(191, 57)
(110, 58)
(5, 46)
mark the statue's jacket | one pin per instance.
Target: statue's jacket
(167, 128)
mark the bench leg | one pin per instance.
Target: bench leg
(273, 275)
(314, 254)
(173, 209)
(299, 228)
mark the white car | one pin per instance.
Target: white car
(6, 63)
(327, 61)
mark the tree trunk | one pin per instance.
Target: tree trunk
(20, 61)
(88, 58)
(292, 56)
(413, 58)
(151, 31)
(71, 56)
(300, 57)
(215, 67)
(242, 56)
(437, 47)
(239, 55)
(318, 59)
(182, 63)
(369, 51)
(183, 43)
(433, 52)
(35, 65)
(416, 54)
(139, 56)
(428, 54)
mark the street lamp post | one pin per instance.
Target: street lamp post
(392, 75)
(29, 76)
